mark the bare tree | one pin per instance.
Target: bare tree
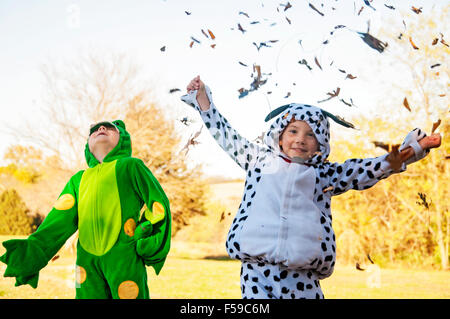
(76, 93)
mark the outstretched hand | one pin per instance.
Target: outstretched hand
(396, 158)
(432, 141)
(197, 85)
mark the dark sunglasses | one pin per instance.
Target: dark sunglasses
(108, 125)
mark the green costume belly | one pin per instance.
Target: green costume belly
(99, 211)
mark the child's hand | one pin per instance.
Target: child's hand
(432, 141)
(202, 98)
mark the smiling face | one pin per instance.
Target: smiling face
(103, 140)
(298, 140)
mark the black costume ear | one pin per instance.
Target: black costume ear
(119, 123)
(337, 119)
(276, 112)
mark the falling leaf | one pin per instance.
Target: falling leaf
(257, 68)
(331, 94)
(222, 217)
(287, 95)
(195, 40)
(412, 43)
(406, 104)
(349, 76)
(260, 45)
(240, 28)
(317, 62)
(360, 10)
(435, 41)
(387, 147)
(211, 34)
(191, 44)
(347, 103)
(286, 6)
(243, 13)
(242, 92)
(213, 45)
(188, 13)
(416, 10)
(373, 42)
(185, 121)
(289, 21)
(174, 90)
(55, 257)
(390, 7)
(163, 49)
(339, 26)
(394, 158)
(359, 267)
(435, 65)
(370, 259)
(435, 126)
(327, 189)
(368, 4)
(192, 141)
(442, 95)
(242, 63)
(204, 33)
(304, 62)
(315, 9)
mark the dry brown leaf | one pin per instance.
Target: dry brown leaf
(386, 147)
(317, 62)
(413, 45)
(326, 189)
(395, 159)
(211, 34)
(416, 10)
(435, 126)
(406, 104)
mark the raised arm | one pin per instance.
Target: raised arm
(242, 151)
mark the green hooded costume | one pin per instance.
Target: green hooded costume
(104, 203)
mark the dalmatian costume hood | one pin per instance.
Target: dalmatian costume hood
(285, 217)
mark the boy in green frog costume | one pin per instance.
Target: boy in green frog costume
(104, 203)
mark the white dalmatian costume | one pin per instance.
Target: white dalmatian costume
(282, 232)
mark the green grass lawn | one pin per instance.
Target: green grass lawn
(188, 274)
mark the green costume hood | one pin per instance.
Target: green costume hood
(122, 149)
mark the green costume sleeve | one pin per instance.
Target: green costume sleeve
(26, 257)
(154, 248)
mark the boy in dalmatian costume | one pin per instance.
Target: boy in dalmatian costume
(282, 232)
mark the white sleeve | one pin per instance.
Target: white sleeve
(242, 151)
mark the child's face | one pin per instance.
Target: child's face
(104, 138)
(298, 140)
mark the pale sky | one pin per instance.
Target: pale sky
(32, 32)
